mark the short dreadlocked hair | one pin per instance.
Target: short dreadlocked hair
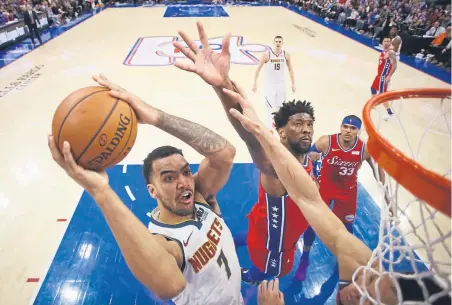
(288, 109)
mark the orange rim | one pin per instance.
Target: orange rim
(421, 182)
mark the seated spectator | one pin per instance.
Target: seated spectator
(435, 30)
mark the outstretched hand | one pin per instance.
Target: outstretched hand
(146, 114)
(212, 67)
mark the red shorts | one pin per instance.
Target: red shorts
(344, 203)
(272, 262)
(380, 84)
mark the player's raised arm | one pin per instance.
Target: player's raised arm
(154, 261)
(349, 250)
(213, 68)
(214, 169)
(263, 59)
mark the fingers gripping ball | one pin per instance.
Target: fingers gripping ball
(101, 129)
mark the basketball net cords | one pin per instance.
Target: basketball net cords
(391, 240)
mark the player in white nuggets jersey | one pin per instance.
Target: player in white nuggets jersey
(275, 62)
(167, 262)
(396, 41)
(188, 217)
(210, 264)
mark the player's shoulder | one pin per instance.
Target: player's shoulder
(323, 138)
(326, 137)
(391, 52)
(210, 203)
(322, 144)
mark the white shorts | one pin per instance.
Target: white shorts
(273, 101)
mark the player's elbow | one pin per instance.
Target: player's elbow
(170, 289)
(166, 280)
(164, 287)
(227, 155)
(230, 153)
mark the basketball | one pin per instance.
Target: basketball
(101, 129)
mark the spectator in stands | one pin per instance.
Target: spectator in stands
(435, 30)
(440, 48)
(375, 18)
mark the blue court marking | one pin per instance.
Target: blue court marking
(195, 11)
(89, 269)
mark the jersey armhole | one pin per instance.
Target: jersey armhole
(182, 268)
(268, 59)
(329, 146)
(363, 150)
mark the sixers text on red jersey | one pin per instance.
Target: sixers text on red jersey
(340, 166)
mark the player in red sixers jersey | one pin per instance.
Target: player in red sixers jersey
(387, 64)
(274, 223)
(343, 154)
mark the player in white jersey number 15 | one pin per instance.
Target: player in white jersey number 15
(275, 61)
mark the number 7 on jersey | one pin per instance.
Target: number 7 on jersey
(222, 260)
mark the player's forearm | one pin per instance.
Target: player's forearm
(303, 190)
(254, 147)
(150, 263)
(394, 67)
(292, 76)
(229, 103)
(256, 74)
(393, 60)
(203, 140)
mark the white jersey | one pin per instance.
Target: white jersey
(211, 266)
(275, 69)
(399, 48)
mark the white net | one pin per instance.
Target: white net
(414, 238)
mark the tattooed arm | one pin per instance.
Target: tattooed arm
(219, 154)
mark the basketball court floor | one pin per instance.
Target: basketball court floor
(55, 247)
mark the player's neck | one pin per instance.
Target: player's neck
(300, 157)
(170, 218)
(277, 52)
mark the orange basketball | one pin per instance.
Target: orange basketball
(101, 129)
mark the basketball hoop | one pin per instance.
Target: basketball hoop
(417, 235)
(423, 183)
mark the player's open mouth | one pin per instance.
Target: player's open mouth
(186, 197)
